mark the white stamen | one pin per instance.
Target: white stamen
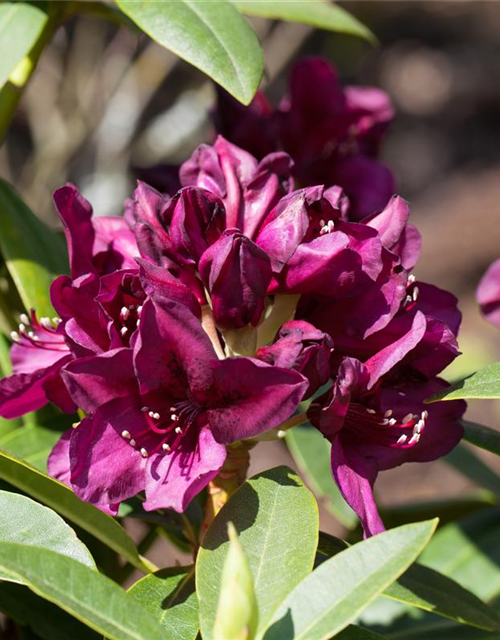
(156, 416)
(126, 434)
(174, 417)
(178, 430)
(132, 307)
(124, 313)
(22, 328)
(75, 425)
(281, 434)
(15, 336)
(133, 442)
(173, 409)
(384, 422)
(145, 409)
(411, 278)
(144, 453)
(402, 439)
(35, 338)
(388, 413)
(46, 323)
(138, 323)
(415, 293)
(139, 309)
(165, 446)
(371, 411)
(424, 415)
(392, 422)
(123, 331)
(31, 335)
(418, 428)
(24, 318)
(414, 439)
(407, 418)
(407, 300)
(322, 223)
(56, 320)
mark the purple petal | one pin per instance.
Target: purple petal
(76, 214)
(105, 468)
(488, 294)
(93, 381)
(250, 397)
(115, 246)
(173, 480)
(58, 463)
(355, 477)
(236, 273)
(172, 349)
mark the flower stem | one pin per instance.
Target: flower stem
(232, 475)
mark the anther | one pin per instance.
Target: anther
(56, 320)
(407, 300)
(174, 417)
(415, 294)
(46, 323)
(178, 430)
(124, 313)
(139, 309)
(31, 335)
(424, 415)
(414, 439)
(22, 328)
(392, 422)
(24, 318)
(165, 446)
(402, 439)
(144, 453)
(371, 411)
(133, 442)
(388, 413)
(411, 278)
(123, 331)
(145, 409)
(126, 434)
(15, 336)
(75, 425)
(281, 434)
(407, 418)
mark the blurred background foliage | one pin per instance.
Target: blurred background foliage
(106, 102)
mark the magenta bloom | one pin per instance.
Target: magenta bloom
(376, 419)
(333, 133)
(161, 413)
(488, 294)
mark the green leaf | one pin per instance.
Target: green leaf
(464, 460)
(311, 452)
(468, 552)
(45, 619)
(481, 436)
(237, 615)
(337, 591)
(170, 597)
(32, 443)
(21, 24)
(353, 632)
(441, 630)
(483, 385)
(85, 594)
(34, 255)
(428, 590)
(276, 518)
(317, 13)
(212, 36)
(26, 522)
(60, 498)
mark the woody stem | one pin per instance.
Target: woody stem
(232, 475)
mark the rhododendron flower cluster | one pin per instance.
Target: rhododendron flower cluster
(204, 317)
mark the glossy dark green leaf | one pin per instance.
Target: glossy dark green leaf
(481, 436)
(484, 384)
(169, 596)
(317, 13)
(428, 590)
(21, 24)
(34, 255)
(212, 36)
(26, 522)
(311, 452)
(59, 497)
(45, 619)
(353, 632)
(337, 591)
(85, 594)
(468, 551)
(464, 460)
(276, 518)
(32, 443)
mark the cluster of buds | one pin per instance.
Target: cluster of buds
(205, 317)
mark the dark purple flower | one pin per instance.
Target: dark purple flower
(488, 294)
(301, 347)
(333, 133)
(237, 273)
(376, 419)
(161, 413)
